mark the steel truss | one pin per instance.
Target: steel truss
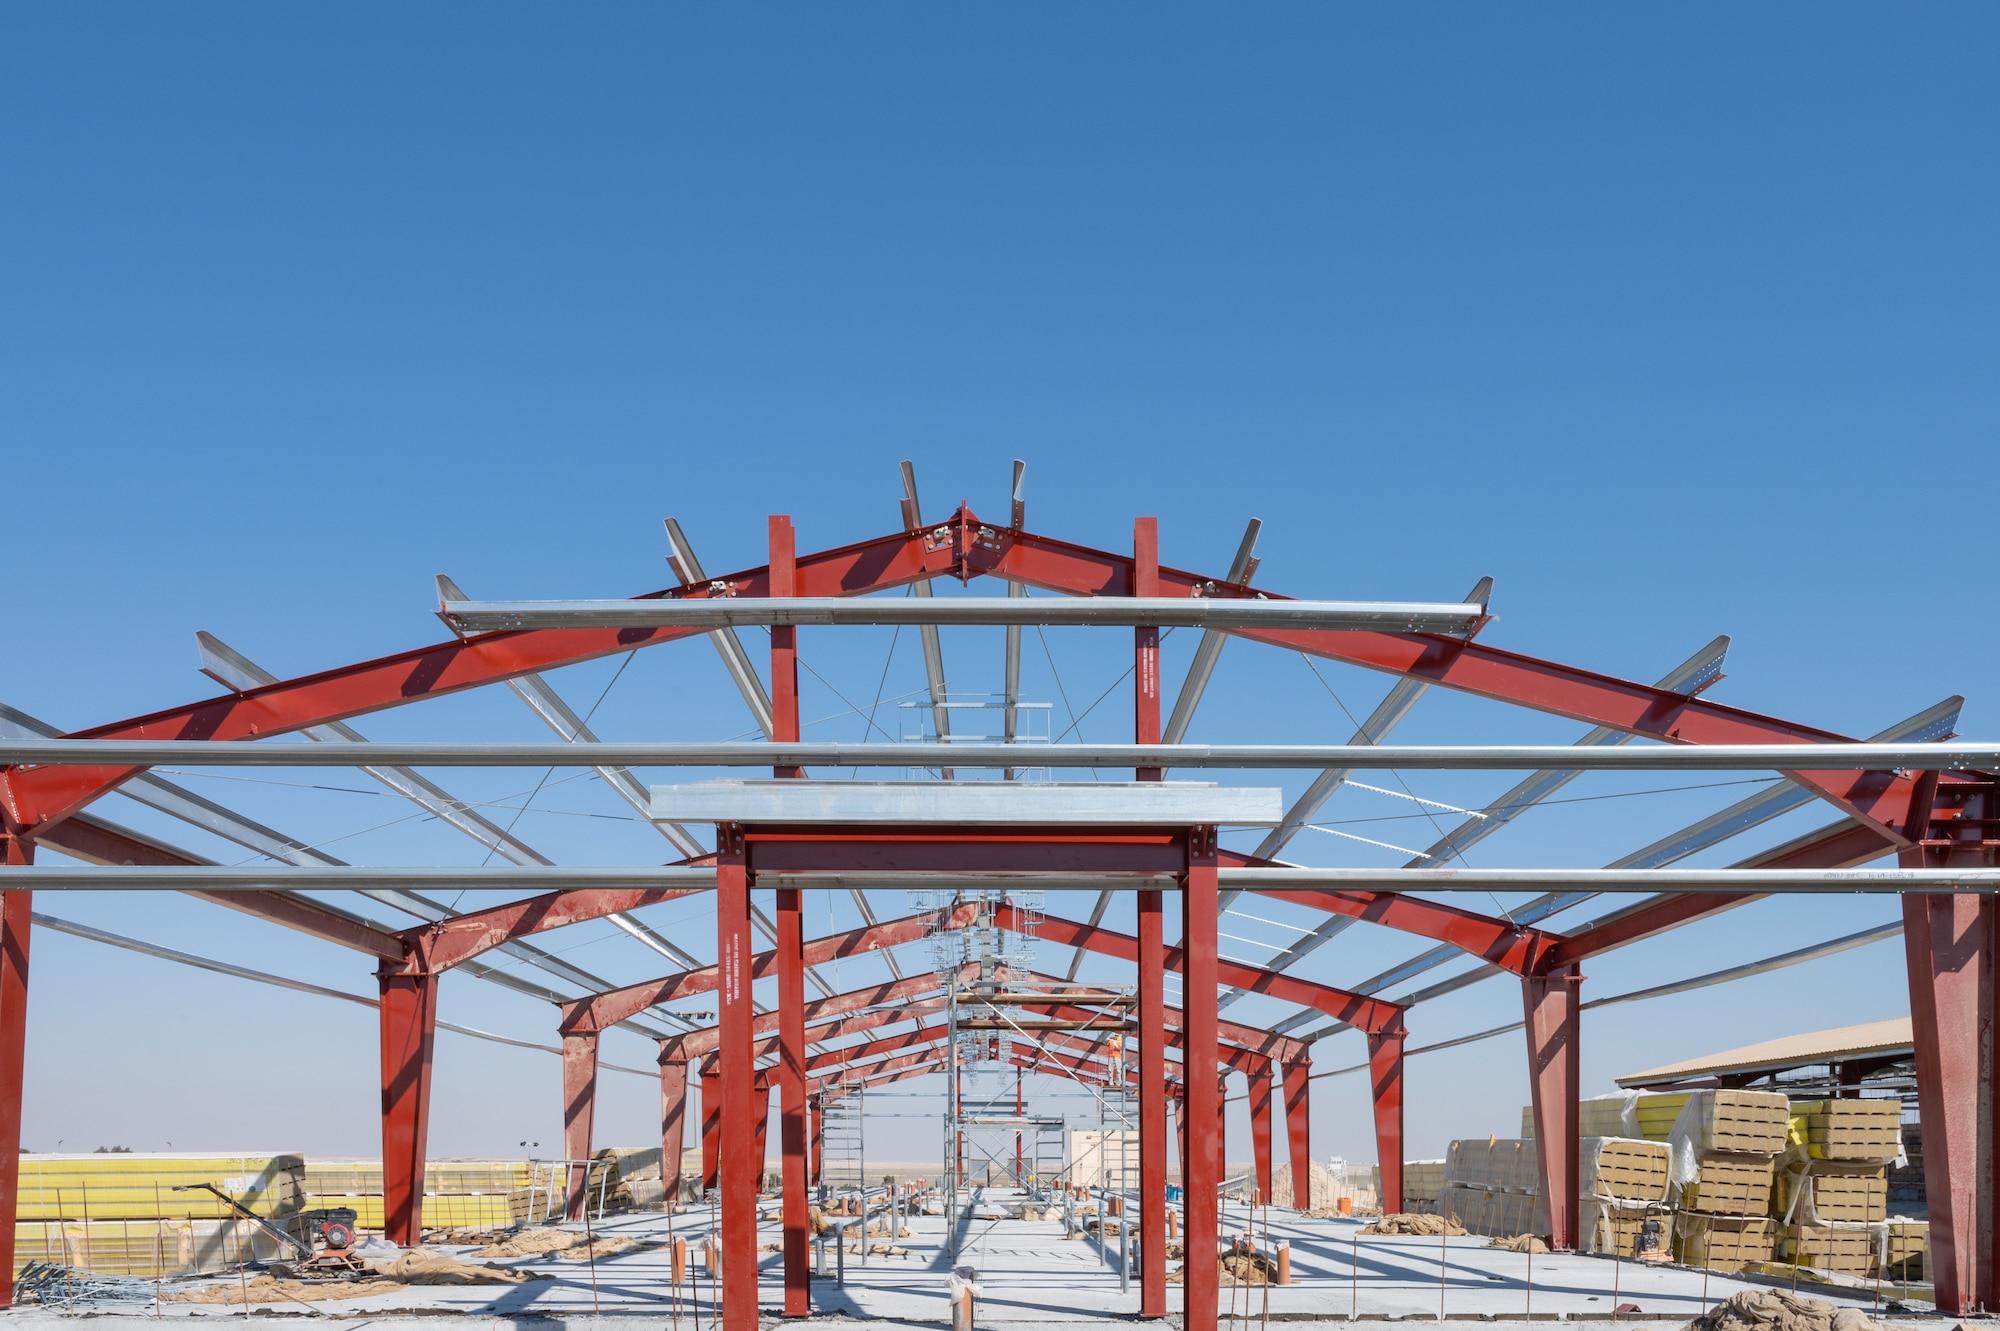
(1933, 805)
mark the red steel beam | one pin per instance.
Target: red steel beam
(445, 943)
(1882, 798)
(85, 838)
(944, 848)
(597, 1011)
(1356, 1010)
(1554, 1078)
(1838, 846)
(40, 795)
(1513, 947)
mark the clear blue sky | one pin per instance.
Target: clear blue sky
(1676, 322)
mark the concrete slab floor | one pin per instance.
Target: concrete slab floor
(1032, 1277)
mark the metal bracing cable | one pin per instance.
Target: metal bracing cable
(281, 982)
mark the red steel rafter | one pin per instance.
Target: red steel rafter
(1357, 1010)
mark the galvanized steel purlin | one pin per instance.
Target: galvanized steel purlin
(1947, 756)
(1116, 611)
(278, 878)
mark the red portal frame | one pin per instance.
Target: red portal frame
(1889, 811)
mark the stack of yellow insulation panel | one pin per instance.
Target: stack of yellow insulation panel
(119, 1214)
(1623, 1185)
(1489, 1186)
(1724, 1222)
(458, 1194)
(1596, 1116)
(1423, 1180)
(1832, 1186)
(1657, 1113)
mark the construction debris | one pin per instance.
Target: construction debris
(416, 1266)
(1778, 1310)
(1520, 1243)
(1401, 1224)
(533, 1243)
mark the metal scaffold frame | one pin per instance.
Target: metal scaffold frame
(1908, 792)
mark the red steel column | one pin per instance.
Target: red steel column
(792, 1087)
(1260, 1127)
(1949, 943)
(16, 921)
(673, 1127)
(818, 1139)
(711, 1125)
(738, 1166)
(1385, 1077)
(1152, 1110)
(1178, 1103)
(1200, 993)
(1554, 1050)
(1298, 1130)
(1146, 641)
(784, 641)
(580, 1113)
(409, 1030)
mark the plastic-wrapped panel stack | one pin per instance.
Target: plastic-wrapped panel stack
(1423, 1180)
(1832, 1192)
(1489, 1186)
(1623, 1186)
(1724, 1145)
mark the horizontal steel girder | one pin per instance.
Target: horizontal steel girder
(285, 879)
(1949, 756)
(715, 612)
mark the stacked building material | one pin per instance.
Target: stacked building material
(1623, 1184)
(458, 1194)
(1423, 1180)
(1596, 1116)
(1725, 1143)
(1489, 1186)
(1657, 1113)
(118, 1213)
(1832, 1190)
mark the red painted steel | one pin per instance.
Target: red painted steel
(960, 547)
(818, 1139)
(740, 1162)
(1357, 1010)
(673, 1127)
(35, 796)
(1469, 667)
(17, 911)
(711, 1124)
(1297, 1075)
(1385, 1075)
(942, 848)
(1952, 949)
(1200, 991)
(1146, 642)
(579, 1056)
(699, 1043)
(792, 1089)
(85, 838)
(1513, 947)
(1838, 846)
(1554, 1051)
(457, 940)
(1259, 1083)
(409, 1032)
(599, 1011)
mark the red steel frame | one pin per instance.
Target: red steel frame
(1951, 941)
